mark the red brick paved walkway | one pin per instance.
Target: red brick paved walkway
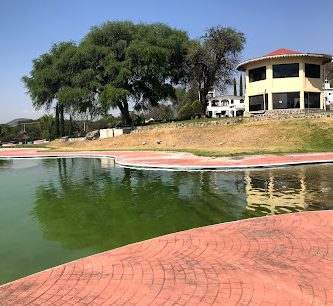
(278, 260)
(184, 161)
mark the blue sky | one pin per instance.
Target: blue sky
(28, 29)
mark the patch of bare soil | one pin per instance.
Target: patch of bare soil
(252, 137)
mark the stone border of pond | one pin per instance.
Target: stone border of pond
(178, 161)
(274, 260)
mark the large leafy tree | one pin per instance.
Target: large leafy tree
(212, 59)
(80, 94)
(51, 75)
(133, 62)
(119, 63)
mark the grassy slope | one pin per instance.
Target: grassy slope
(285, 136)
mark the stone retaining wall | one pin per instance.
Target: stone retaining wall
(283, 114)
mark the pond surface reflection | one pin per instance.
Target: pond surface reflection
(57, 210)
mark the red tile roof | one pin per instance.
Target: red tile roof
(282, 52)
(285, 53)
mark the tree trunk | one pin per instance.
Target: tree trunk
(62, 121)
(203, 101)
(71, 130)
(125, 115)
(57, 123)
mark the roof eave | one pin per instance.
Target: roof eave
(326, 59)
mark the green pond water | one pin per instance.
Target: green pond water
(56, 210)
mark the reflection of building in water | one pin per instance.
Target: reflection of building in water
(275, 191)
(107, 162)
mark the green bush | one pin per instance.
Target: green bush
(189, 109)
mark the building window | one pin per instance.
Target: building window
(231, 101)
(215, 103)
(225, 102)
(286, 100)
(285, 71)
(312, 71)
(258, 103)
(241, 101)
(257, 74)
(312, 100)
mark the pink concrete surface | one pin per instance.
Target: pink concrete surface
(176, 160)
(276, 260)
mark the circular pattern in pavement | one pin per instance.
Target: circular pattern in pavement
(276, 260)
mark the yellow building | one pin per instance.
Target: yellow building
(284, 79)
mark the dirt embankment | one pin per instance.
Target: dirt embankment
(242, 138)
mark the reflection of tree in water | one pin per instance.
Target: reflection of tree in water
(87, 207)
(6, 163)
(318, 182)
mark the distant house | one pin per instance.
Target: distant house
(225, 106)
(328, 92)
(284, 79)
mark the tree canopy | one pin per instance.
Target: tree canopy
(121, 63)
(212, 60)
(138, 63)
(51, 75)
